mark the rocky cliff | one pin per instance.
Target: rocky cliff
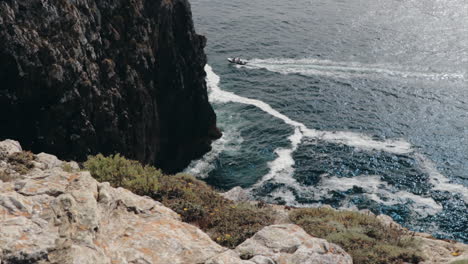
(89, 76)
(50, 212)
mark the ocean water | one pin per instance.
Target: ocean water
(355, 104)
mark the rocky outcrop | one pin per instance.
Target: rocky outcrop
(85, 77)
(57, 214)
(435, 251)
(283, 244)
(53, 216)
(289, 243)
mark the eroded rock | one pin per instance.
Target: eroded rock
(289, 243)
(54, 216)
(8, 147)
(237, 194)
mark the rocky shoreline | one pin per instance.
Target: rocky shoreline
(55, 213)
(435, 250)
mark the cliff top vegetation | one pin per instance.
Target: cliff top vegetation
(364, 237)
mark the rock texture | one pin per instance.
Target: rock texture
(89, 76)
(237, 194)
(65, 217)
(435, 251)
(53, 216)
(283, 244)
(289, 243)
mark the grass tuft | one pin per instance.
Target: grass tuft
(463, 261)
(364, 237)
(67, 167)
(21, 162)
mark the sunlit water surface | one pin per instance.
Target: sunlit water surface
(356, 104)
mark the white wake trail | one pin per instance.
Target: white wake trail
(281, 168)
(346, 70)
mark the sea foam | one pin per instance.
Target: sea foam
(230, 141)
(345, 70)
(281, 169)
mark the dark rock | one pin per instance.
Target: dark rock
(105, 76)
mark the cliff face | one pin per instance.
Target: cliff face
(89, 76)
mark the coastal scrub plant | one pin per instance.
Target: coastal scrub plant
(363, 236)
(463, 261)
(121, 172)
(226, 222)
(20, 163)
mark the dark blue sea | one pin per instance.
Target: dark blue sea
(357, 104)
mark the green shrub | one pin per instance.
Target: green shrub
(21, 162)
(463, 261)
(67, 167)
(227, 223)
(121, 172)
(364, 237)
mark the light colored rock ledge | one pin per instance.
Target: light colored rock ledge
(53, 216)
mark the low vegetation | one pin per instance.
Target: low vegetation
(227, 223)
(67, 167)
(364, 237)
(19, 163)
(463, 261)
(121, 172)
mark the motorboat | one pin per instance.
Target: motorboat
(238, 61)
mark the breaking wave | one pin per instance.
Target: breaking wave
(281, 169)
(230, 141)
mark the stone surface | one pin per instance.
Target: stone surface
(109, 76)
(9, 146)
(259, 259)
(66, 217)
(50, 215)
(53, 216)
(237, 194)
(228, 257)
(289, 243)
(440, 251)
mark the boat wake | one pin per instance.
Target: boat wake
(344, 70)
(281, 169)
